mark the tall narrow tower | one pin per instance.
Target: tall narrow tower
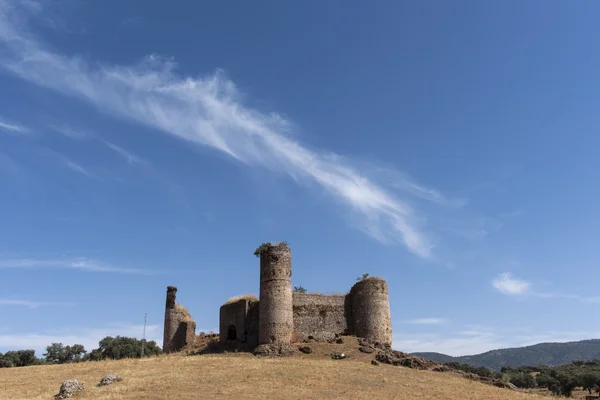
(276, 321)
(371, 310)
(171, 319)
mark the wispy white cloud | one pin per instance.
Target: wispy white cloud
(507, 284)
(33, 304)
(82, 264)
(129, 156)
(88, 337)
(12, 128)
(77, 168)
(70, 132)
(426, 321)
(209, 111)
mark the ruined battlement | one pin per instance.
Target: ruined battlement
(180, 328)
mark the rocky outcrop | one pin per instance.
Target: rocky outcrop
(69, 388)
(110, 379)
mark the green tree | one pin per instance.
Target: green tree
(57, 353)
(123, 347)
(589, 380)
(542, 380)
(567, 383)
(94, 355)
(362, 278)
(299, 289)
(19, 358)
(523, 380)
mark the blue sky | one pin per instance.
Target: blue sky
(450, 148)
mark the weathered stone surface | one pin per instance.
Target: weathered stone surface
(339, 340)
(324, 317)
(69, 388)
(274, 350)
(179, 328)
(374, 362)
(398, 358)
(365, 349)
(371, 316)
(276, 321)
(305, 350)
(110, 379)
(239, 319)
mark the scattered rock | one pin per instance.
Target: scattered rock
(69, 388)
(305, 349)
(109, 379)
(374, 362)
(398, 358)
(338, 356)
(365, 349)
(274, 350)
(339, 340)
(386, 358)
(382, 346)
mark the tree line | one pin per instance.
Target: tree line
(109, 348)
(560, 380)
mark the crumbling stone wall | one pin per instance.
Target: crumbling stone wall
(180, 328)
(321, 316)
(242, 315)
(371, 310)
(184, 335)
(275, 307)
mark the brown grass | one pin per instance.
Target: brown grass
(249, 297)
(182, 310)
(186, 314)
(243, 376)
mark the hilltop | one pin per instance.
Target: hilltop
(551, 354)
(241, 375)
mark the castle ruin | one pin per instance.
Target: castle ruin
(180, 328)
(281, 316)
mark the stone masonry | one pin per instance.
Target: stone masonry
(371, 310)
(280, 317)
(180, 328)
(276, 322)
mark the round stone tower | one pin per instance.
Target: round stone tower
(171, 319)
(371, 310)
(276, 321)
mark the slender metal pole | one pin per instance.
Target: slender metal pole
(144, 337)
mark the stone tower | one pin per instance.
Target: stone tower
(171, 319)
(371, 310)
(276, 321)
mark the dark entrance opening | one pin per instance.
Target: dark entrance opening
(231, 333)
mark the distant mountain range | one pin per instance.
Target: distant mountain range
(550, 354)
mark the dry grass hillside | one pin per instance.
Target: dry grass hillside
(243, 376)
(246, 377)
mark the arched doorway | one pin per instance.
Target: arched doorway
(231, 333)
